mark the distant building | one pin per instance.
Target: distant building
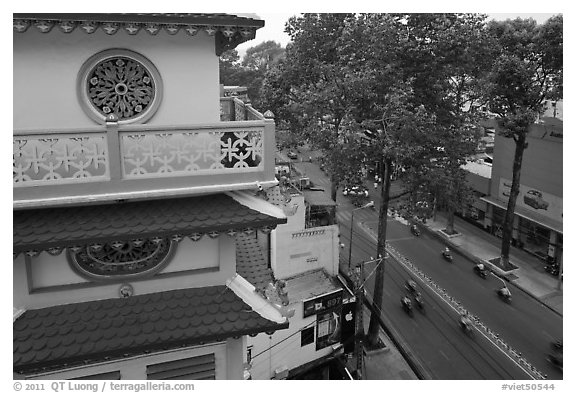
(538, 218)
(537, 226)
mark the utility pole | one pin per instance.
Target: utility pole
(359, 336)
(369, 204)
(374, 327)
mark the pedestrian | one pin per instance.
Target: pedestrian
(375, 185)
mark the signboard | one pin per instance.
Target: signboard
(533, 200)
(328, 328)
(322, 303)
(348, 326)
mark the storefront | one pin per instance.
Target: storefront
(538, 235)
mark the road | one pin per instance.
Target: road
(434, 337)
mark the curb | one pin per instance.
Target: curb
(476, 259)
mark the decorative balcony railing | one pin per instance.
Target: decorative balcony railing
(234, 109)
(55, 167)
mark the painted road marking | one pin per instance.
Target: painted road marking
(494, 338)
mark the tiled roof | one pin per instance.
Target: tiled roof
(229, 30)
(250, 262)
(172, 18)
(42, 229)
(88, 332)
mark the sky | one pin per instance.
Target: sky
(273, 29)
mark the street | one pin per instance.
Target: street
(434, 337)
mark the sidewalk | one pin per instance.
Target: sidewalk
(385, 364)
(530, 275)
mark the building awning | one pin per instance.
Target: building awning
(318, 198)
(83, 333)
(522, 212)
(52, 229)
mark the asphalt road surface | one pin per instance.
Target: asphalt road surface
(434, 337)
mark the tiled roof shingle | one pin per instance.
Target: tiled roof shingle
(250, 262)
(66, 226)
(91, 331)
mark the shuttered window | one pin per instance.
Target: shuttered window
(199, 367)
(111, 376)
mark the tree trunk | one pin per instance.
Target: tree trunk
(514, 191)
(374, 328)
(334, 183)
(450, 219)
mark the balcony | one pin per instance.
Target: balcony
(121, 162)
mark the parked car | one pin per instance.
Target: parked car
(534, 199)
(358, 190)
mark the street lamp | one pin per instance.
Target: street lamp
(369, 204)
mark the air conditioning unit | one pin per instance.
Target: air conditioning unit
(281, 373)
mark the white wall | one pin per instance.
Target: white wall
(299, 251)
(287, 353)
(46, 66)
(49, 271)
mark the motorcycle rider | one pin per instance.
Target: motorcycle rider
(418, 299)
(406, 302)
(465, 321)
(504, 291)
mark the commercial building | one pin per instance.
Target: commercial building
(537, 225)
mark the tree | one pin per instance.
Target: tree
(447, 56)
(251, 71)
(527, 73)
(311, 90)
(229, 67)
(263, 56)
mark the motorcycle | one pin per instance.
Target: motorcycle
(406, 305)
(553, 269)
(557, 360)
(415, 231)
(482, 272)
(557, 345)
(410, 285)
(419, 301)
(504, 294)
(447, 255)
(466, 325)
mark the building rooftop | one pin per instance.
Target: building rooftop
(44, 229)
(311, 284)
(478, 168)
(83, 333)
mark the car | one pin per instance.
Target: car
(292, 155)
(358, 190)
(533, 198)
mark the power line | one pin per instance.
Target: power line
(280, 342)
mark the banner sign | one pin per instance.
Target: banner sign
(322, 303)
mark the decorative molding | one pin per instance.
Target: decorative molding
(59, 159)
(183, 153)
(119, 82)
(115, 250)
(315, 232)
(118, 260)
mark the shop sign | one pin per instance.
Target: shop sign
(323, 303)
(328, 328)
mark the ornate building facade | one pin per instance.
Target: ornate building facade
(132, 180)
